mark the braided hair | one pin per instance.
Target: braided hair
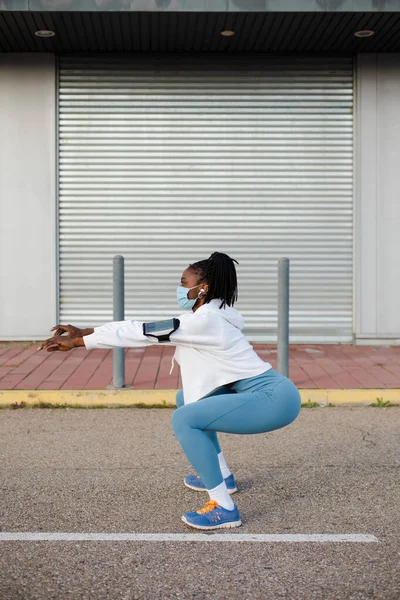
(220, 273)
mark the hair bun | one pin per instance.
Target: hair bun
(221, 256)
(220, 273)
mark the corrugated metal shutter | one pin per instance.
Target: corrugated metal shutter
(165, 160)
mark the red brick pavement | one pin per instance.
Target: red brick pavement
(311, 366)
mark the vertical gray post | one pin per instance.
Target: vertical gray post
(283, 316)
(119, 315)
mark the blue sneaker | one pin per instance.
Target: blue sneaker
(195, 483)
(213, 516)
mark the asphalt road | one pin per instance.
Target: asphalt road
(335, 470)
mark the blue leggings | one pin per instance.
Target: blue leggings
(256, 405)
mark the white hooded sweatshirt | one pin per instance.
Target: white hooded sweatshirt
(210, 347)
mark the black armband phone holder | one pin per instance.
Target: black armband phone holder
(162, 330)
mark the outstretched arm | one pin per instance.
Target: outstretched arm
(117, 334)
(196, 332)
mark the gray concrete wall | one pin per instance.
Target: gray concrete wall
(377, 210)
(27, 195)
(208, 5)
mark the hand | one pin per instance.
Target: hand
(60, 342)
(70, 330)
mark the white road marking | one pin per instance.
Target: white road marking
(25, 536)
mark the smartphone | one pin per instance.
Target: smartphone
(161, 329)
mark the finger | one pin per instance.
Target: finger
(53, 348)
(50, 342)
(59, 329)
(53, 343)
(42, 346)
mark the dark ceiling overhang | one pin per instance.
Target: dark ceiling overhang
(200, 32)
(207, 6)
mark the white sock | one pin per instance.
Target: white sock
(224, 467)
(221, 495)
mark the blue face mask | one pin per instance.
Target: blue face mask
(182, 297)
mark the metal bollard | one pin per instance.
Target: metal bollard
(119, 315)
(283, 316)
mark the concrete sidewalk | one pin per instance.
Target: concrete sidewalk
(313, 368)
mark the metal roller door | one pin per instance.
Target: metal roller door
(167, 159)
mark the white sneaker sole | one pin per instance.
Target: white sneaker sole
(207, 527)
(192, 487)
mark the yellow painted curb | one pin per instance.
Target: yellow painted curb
(350, 397)
(90, 397)
(166, 398)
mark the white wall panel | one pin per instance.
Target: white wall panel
(27, 196)
(378, 197)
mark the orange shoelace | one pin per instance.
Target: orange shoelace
(208, 507)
